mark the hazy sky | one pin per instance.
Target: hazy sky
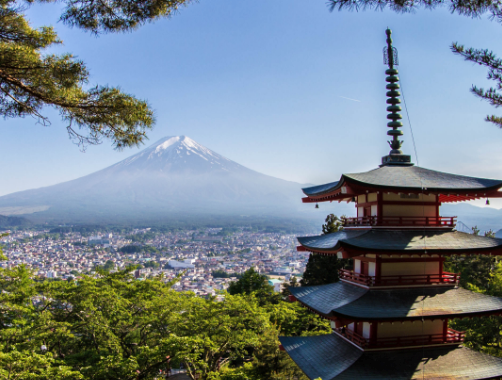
(283, 87)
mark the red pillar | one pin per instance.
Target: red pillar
(445, 329)
(378, 268)
(373, 333)
(441, 262)
(379, 207)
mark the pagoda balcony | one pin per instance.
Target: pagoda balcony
(451, 337)
(401, 221)
(400, 280)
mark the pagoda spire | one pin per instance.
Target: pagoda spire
(395, 156)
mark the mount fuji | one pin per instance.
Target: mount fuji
(173, 178)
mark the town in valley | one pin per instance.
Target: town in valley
(206, 260)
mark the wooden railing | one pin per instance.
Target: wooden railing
(409, 221)
(398, 280)
(452, 337)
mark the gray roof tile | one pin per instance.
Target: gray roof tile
(325, 298)
(409, 178)
(330, 357)
(354, 302)
(400, 240)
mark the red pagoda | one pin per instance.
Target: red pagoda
(390, 313)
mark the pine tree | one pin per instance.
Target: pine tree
(30, 80)
(333, 224)
(322, 269)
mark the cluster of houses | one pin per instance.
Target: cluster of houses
(205, 261)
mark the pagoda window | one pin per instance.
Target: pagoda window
(357, 266)
(367, 268)
(367, 205)
(366, 329)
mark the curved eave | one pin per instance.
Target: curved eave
(322, 189)
(348, 318)
(482, 191)
(352, 187)
(348, 302)
(352, 249)
(356, 242)
(347, 251)
(330, 357)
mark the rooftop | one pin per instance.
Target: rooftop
(356, 303)
(376, 240)
(414, 179)
(330, 357)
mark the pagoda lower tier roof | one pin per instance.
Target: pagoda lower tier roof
(384, 240)
(351, 302)
(407, 179)
(330, 357)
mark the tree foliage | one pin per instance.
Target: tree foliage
(320, 269)
(475, 270)
(251, 282)
(461, 7)
(114, 327)
(333, 224)
(485, 333)
(488, 59)
(31, 80)
(293, 283)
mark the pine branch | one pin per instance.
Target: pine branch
(486, 58)
(462, 7)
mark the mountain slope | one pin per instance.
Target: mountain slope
(176, 176)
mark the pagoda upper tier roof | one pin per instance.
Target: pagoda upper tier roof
(408, 178)
(384, 240)
(351, 302)
(330, 357)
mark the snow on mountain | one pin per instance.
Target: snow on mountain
(177, 153)
(173, 177)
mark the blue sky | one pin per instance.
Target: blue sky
(283, 87)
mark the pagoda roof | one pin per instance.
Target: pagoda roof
(352, 302)
(384, 240)
(408, 178)
(330, 357)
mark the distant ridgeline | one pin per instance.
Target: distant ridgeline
(175, 179)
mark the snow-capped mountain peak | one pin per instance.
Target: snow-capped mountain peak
(178, 153)
(168, 142)
(172, 177)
